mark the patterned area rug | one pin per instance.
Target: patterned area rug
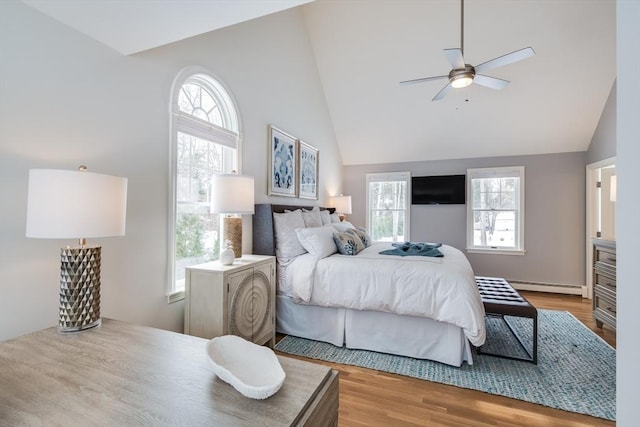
(576, 369)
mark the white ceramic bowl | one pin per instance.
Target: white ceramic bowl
(251, 369)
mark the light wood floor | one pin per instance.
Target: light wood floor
(373, 398)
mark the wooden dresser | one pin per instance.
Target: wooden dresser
(604, 283)
(120, 374)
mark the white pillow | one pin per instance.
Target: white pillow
(287, 244)
(325, 217)
(312, 218)
(318, 241)
(342, 226)
(335, 218)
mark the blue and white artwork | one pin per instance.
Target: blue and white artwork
(283, 164)
(308, 171)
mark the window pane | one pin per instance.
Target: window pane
(497, 229)
(388, 195)
(198, 160)
(388, 226)
(388, 209)
(197, 238)
(197, 231)
(197, 101)
(508, 192)
(495, 193)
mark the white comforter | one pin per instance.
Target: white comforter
(443, 289)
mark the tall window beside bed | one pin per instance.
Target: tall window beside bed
(495, 210)
(388, 206)
(205, 139)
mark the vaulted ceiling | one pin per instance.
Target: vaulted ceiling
(364, 48)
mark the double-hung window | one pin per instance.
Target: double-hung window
(204, 141)
(388, 206)
(495, 210)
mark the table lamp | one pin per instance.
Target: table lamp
(342, 204)
(64, 204)
(232, 194)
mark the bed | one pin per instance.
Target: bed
(421, 307)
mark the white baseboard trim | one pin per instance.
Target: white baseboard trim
(549, 287)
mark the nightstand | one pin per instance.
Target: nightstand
(237, 299)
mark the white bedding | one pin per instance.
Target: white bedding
(443, 289)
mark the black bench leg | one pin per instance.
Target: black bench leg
(533, 354)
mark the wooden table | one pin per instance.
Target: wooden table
(121, 375)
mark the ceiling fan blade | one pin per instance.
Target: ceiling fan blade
(492, 82)
(424, 79)
(506, 59)
(442, 92)
(454, 56)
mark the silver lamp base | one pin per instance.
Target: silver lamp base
(79, 288)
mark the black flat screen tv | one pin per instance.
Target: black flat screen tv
(438, 190)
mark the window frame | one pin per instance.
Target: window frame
(181, 122)
(497, 172)
(388, 177)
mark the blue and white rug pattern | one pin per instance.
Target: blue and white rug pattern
(576, 369)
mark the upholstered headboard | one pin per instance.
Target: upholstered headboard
(264, 242)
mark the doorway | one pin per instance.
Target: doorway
(600, 210)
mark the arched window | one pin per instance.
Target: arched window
(205, 140)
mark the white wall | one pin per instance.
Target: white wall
(603, 142)
(67, 100)
(628, 211)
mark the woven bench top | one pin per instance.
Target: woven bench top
(499, 297)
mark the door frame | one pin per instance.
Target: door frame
(591, 218)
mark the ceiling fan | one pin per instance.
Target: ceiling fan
(462, 75)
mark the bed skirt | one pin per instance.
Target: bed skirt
(416, 337)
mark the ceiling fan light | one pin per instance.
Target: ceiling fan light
(460, 81)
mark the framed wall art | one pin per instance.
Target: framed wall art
(283, 160)
(308, 176)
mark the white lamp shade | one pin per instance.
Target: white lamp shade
(613, 193)
(64, 204)
(342, 204)
(232, 194)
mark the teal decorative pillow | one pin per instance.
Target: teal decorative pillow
(348, 243)
(362, 234)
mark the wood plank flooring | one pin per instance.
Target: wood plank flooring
(373, 398)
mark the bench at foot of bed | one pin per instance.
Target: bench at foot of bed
(500, 299)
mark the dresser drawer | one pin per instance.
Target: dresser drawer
(605, 316)
(605, 298)
(605, 256)
(604, 279)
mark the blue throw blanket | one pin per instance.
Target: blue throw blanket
(411, 248)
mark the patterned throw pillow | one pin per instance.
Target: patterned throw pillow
(348, 243)
(362, 234)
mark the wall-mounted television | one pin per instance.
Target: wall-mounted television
(438, 190)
